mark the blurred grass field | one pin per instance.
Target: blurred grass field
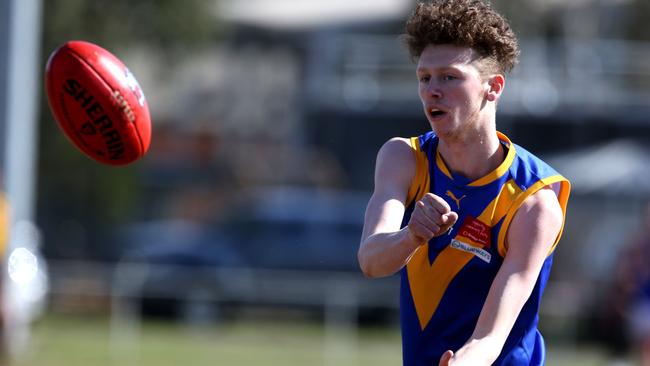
(62, 340)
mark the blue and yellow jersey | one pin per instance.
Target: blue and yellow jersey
(446, 281)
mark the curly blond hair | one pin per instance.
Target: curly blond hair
(465, 23)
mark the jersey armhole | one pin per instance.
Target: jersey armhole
(420, 183)
(560, 186)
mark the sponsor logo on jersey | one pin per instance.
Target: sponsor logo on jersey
(475, 232)
(484, 255)
(451, 195)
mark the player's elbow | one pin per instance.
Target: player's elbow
(365, 264)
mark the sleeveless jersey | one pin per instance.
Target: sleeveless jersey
(446, 281)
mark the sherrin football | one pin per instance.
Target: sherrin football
(98, 103)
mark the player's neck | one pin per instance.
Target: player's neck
(473, 156)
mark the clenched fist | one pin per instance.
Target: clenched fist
(431, 217)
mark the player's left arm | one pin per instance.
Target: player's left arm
(531, 235)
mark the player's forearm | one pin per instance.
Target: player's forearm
(383, 254)
(500, 311)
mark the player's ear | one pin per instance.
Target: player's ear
(495, 82)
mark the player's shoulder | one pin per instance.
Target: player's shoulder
(537, 224)
(545, 198)
(541, 207)
(396, 158)
(397, 145)
(423, 143)
(397, 150)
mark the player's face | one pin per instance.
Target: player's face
(451, 89)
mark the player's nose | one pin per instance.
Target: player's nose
(433, 90)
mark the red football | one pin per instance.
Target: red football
(98, 103)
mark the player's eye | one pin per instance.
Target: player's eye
(425, 78)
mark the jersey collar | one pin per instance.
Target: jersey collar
(493, 175)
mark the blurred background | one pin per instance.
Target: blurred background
(233, 242)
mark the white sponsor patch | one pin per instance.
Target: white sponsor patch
(484, 255)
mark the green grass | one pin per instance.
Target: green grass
(82, 341)
(72, 341)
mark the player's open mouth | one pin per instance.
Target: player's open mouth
(436, 113)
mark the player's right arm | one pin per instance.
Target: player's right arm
(385, 248)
